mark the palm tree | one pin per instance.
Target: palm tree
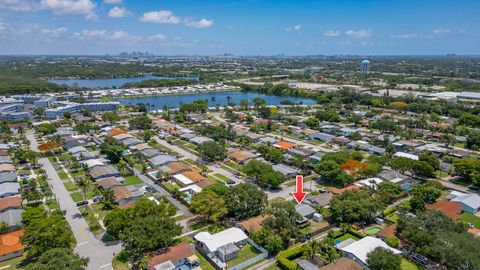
(108, 198)
(84, 185)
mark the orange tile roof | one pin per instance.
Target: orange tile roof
(115, 131)
(10, 242)
(285, 145)
(10, 202)
(194, 176)
(176, 167)
(448, 208)
(173, 254)
(160, 121)
(121, 193)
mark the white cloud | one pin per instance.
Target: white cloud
(112, 1)
(203, 23)
(162, 16)
(404, 36)
(440, 31)
(118, 12)
(71, 7)
(56, 32)
(18, 5)
(331, 33)
(294, 28)
(157, 37)
(104, 35)
(3, 25)
(359, 33)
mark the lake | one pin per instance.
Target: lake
(173, 101)
(113, 82)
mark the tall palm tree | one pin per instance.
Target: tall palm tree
(84, 185)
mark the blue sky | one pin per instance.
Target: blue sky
(251, 27)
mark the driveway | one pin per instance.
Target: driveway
(99, 252)
(30, 134)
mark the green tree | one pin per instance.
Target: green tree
(246, 200)
(140, 122)
(209, 205)
(355, 206)
(212, 151)
(85, 185)
(111, 117)
(58, 258)
(46, 232)
(383, 259)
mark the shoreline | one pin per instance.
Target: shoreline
(176, 94)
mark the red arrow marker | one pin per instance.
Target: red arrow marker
(299, 195)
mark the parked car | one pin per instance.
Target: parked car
(82, 203)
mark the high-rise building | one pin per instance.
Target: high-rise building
(365, 67)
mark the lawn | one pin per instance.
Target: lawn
(393, 217)
(221, 177)
(204, 264)
(98, 208)
(233, 165)
(76, 196)
(12, 263)
(92, 222)
(63, 175)
(171, 186)
(70, 186)
(120, 262)
(52, 204)
(132, 180)
(469, 218)
(407, 265)
(245, 253)
(345, 237)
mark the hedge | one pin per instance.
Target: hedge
(285, 258)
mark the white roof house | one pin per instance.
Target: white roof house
(406, 155)
(214, 241)
(359, 249)
(93, 163)
(182, 180)
(470, 202)
(369, 182)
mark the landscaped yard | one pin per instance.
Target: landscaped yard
(63, 175)
(245, 253)
(345, 237)
(52, 204)
(171, 186)
(469, 218)
(221, 177)
(92, 222)
(407, 265)
(132, 180)
(76, 196)
(70, 186)
(393, 217)
(204, 264)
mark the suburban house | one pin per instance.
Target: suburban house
(12, 217)
(175, 167)
(305, 211)
(109, 183)
(10, 203)
(324, 137)
(223, 245)
(122, 195)
(9, 189)
(284, 145)
(150, 153)
(285, 170)
(5, 160)
(8, 177)
(470, 202)
(187, 178)
(358, 250)
(132, 141)
(241, 157)
(99, 172)
(161, 160)
(179, 257)
(11, 245)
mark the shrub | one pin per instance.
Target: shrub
(285, 258)
(392, 241)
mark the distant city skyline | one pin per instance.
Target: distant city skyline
(253, 27)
